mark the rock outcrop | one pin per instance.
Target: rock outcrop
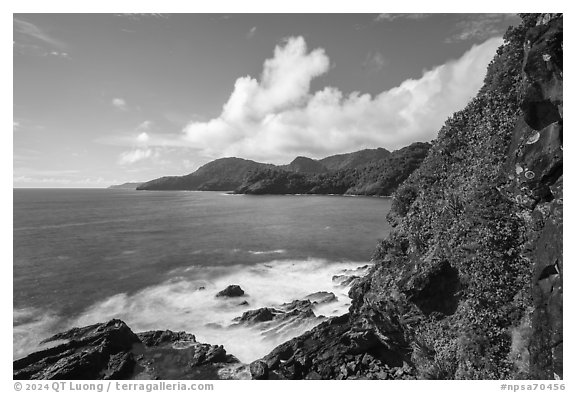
(231, 291)
(294, 313)
(112, 351)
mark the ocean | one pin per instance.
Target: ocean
(157, 259)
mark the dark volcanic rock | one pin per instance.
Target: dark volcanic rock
(539, 154)
(259, 370)
(293, 312)
(159, 337)
(231, 291)
(259, 315)
(349, 276)
(301, 305)
(321, 297)
(333, 350)
(434, 289)
(344, 280)
(88, 354)
(112, 351)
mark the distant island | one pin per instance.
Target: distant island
(365, 172)
(125, 186)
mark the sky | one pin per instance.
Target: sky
(103, 99)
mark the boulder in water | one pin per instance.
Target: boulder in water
(321, 297)
(259, 315)
(231, 291)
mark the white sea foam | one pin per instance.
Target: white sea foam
(267, 252)
(31, 326)
(181, 304)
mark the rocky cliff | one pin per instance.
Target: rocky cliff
(469, 283)
(112, 351)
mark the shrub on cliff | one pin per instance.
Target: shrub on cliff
(451, 210)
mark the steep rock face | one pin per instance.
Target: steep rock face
(469, 283)
(338, 349)
(112, 351)
(536, 174)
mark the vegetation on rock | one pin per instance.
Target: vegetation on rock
(469, 283)
(380, 177)
(365, 172)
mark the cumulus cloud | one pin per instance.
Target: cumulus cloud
(277, 117)
(135, 155)
(143, 137)
(141, 149)
(120, 103)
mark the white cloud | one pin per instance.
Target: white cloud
(30, 30)
(278, 117)
(120, 103)
(143, 137)
(145, 125)
(140, 150)
(135, 155)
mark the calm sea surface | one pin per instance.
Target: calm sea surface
(85, 256)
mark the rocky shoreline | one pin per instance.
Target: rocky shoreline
(112, 350)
